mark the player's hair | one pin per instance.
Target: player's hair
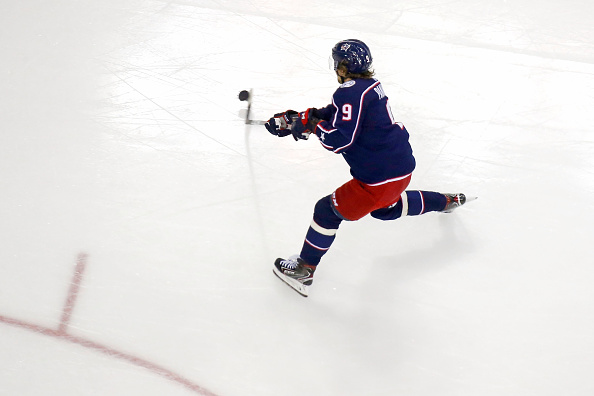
(369, 73)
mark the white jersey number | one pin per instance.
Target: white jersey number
(347, 112)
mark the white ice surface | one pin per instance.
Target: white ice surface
(120, 139)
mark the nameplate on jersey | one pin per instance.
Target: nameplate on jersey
(348, 84)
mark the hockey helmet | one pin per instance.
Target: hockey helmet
(355, 53)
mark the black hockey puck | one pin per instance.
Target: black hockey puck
(244, 95)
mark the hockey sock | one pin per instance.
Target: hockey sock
(321, 232)
(412, 203)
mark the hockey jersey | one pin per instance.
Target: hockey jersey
(359, 125)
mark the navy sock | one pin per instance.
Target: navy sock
(413, 203)
(321, 232)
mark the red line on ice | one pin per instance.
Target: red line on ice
(81, 263)
(61, 334)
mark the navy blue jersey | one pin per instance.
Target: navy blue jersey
(360, 126)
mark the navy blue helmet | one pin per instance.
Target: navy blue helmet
(356, 54)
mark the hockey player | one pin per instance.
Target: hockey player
(359, 125)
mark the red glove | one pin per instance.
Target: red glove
(303, 126)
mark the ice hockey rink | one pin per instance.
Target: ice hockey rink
(140, 216)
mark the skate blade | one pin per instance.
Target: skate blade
(292, 283)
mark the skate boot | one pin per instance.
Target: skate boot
(295, 272)
(454, 201)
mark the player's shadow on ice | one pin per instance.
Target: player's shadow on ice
(453, 245)
(417, 253)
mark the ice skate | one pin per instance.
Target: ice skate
(455, 201)
(295, 273)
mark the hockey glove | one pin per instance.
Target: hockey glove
(305, 124)
(278, 125)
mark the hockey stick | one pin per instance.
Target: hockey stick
(255, 122)
(246, 96)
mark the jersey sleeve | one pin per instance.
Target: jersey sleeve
(325, 113)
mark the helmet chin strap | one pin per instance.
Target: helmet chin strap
(340, 78)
